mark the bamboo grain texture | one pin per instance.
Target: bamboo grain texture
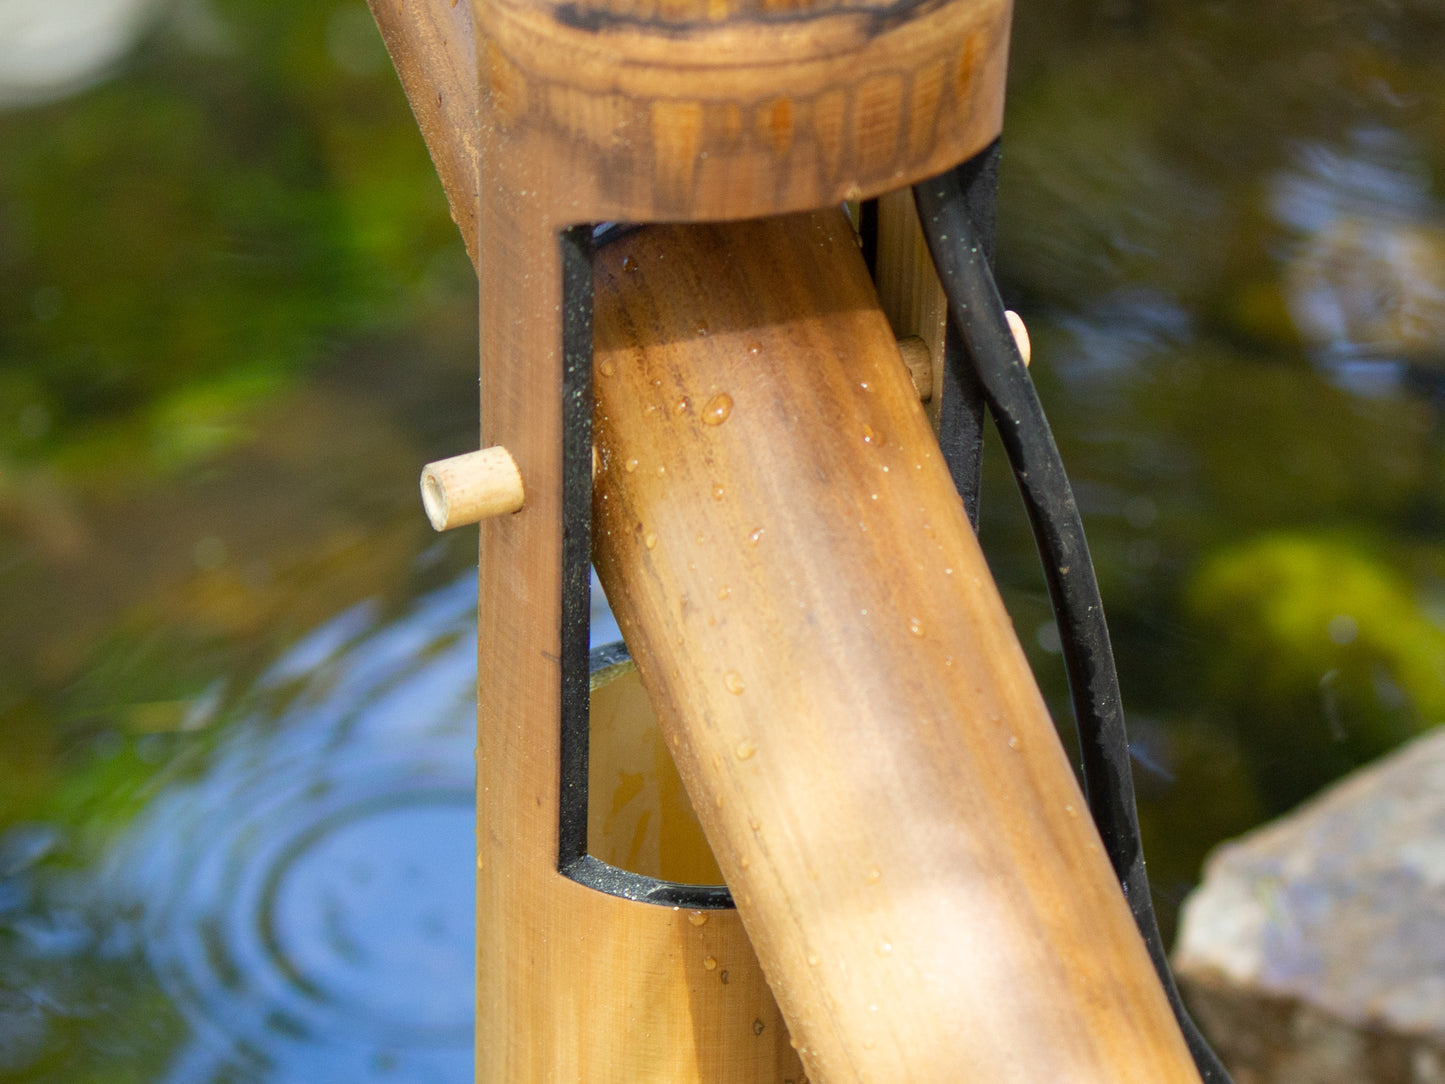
(718, 110)
(841, 687)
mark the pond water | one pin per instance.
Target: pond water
(236, 667)
(299, 896)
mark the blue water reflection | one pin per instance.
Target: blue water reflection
(1366, 278)
(300, 888)
(305, 900)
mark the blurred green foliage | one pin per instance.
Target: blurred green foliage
(1322, 655)
(1168, 169)
(199, 259)
(180, 245)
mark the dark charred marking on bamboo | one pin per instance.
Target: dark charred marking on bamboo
(697, 18)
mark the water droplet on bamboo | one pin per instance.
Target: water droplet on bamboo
(710, 962)
(717, 493)
(873, 436)
(682, 405)
(884, 948)
(814, 959)
(733, 682)
(700, 327)
(723, 592)
(650, 541)
(697, 918)
(746, 748)
(873, 876)
(608, 367)
(756, 536)
(915, 626)
(630, 465)
(755, 348)
(1071, 811)
(1013, 741)
(629, 263)
(717, 410)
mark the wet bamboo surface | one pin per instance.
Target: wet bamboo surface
(841, 687)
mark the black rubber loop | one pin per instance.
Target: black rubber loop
(975, 307)
(577, 245)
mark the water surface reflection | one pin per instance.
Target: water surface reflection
(302, 892)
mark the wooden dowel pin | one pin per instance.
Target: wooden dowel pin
(470, 488)
(919, 358)
(1021, 334)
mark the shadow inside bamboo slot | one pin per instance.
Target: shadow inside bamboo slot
(639, 817)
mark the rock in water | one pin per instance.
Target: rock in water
(1314, 950)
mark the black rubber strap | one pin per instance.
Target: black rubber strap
(961, 399)
(960, 254)
(577, 245)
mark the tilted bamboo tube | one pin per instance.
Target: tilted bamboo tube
(843, 691)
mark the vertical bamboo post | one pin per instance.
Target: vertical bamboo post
(548, 114)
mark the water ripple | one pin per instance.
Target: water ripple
(306, 899)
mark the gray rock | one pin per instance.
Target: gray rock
(1314, 950)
